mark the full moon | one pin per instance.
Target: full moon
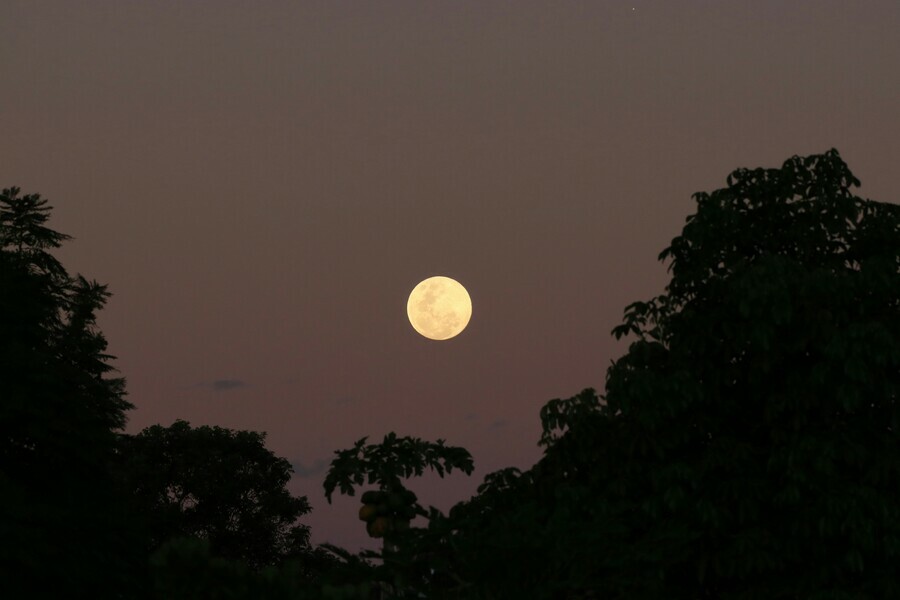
(439, 308)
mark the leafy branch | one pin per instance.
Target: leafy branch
(393, 459)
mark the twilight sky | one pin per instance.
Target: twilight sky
(262, 183)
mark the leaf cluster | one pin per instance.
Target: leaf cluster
(394, 459)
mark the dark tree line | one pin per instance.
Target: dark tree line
(82, 505)
(746, 445)
(58, 416)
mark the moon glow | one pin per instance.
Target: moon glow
(439, 308)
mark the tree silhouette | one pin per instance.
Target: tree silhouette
(218, 485)
(747, 444)
(409, 556)
(761, 397)
(62, 523)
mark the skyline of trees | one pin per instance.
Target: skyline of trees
(745, 445)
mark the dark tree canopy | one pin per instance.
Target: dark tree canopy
(58, 414)
(52, 347)
(218, 485)
(747, 444)
(82, 506)
(761, 398)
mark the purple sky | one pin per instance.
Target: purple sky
(261, 184)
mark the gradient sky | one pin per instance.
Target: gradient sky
(262, 183)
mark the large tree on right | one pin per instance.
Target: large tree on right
(748, 444)
(761, 400)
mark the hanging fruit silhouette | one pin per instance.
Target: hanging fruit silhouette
(379, 527)
(387, 511)
(368, 512)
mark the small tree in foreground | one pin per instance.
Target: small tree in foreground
(389, 509)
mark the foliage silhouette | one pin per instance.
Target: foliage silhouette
(408, 560)
(185, 569)
(218, 485)
(395, 458)
(747, 445)
(761, 397)
(63, 525)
